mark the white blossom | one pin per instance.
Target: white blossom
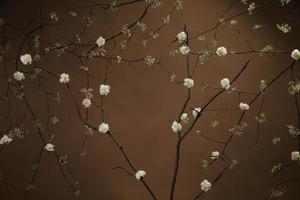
(205, 185)
(5, 140)
(257, 26)
(284, 2)
(294, 87)
(26, 59)
(149, 60)
(73, 13)
(184, 49)
(233, 23)
(176, 127)
(244, 106)
(196, 111)
(295, 54)
(100, 41)
(103, 128)
(64, 78)
(104, 89)
(185, 118)
(295, 155)
(182, 36)
(245, 2)
(215, 155)
(225, 83)
(119, 59)
(293, 131)
(251, 8)
(167, 19)
(49, 147)
(54, 16)
(188, 82)
(179, 4)
(19, 76)
(140, 174)
(221, 51)
(285, 28)
(86, 102)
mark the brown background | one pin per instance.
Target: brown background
(144, 102)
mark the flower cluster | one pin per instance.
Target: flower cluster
(244, 106)
(189, 83)
(100, 41)
(181, 37)
(285, 28)
(140, 174)
(215, 155)
(176, 127)
(49, 147)
(221, 51)
(196, 111)
(149, 60)
(19, 76)
(184, 49)
(103, 128)
(295, 54)
(5, 140)
(285, 2)
(64, 78)
(104, 89)
(205, 185)
(86, 102)
(295, 155)
(225, 83)
(294, 87)
(26, 59)
(185, 118)
(251, 8)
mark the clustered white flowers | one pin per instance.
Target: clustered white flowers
(104, 89)
(294, 87)
(140, 174)
(285, 28)
(103, 128)
(295, 155)
(251, 8)
(196, 111)
(205, 185)
(215, 155)
(49, 147)
(176, 127)
(64, 78)
(149, 60)
(182, 36)
(221, 51)
(19, 76)
(185, 118)
(295, 54)
(5, 140)
(188, 82)
(100, 41)
(293, 131)
(244, 106)
(119, 59)
(184, 49)
(86, 102)
(233, 22)
(53, 16)
(284, 2)
(26, 59)
(225, 83)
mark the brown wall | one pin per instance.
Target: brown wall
(143, 103)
